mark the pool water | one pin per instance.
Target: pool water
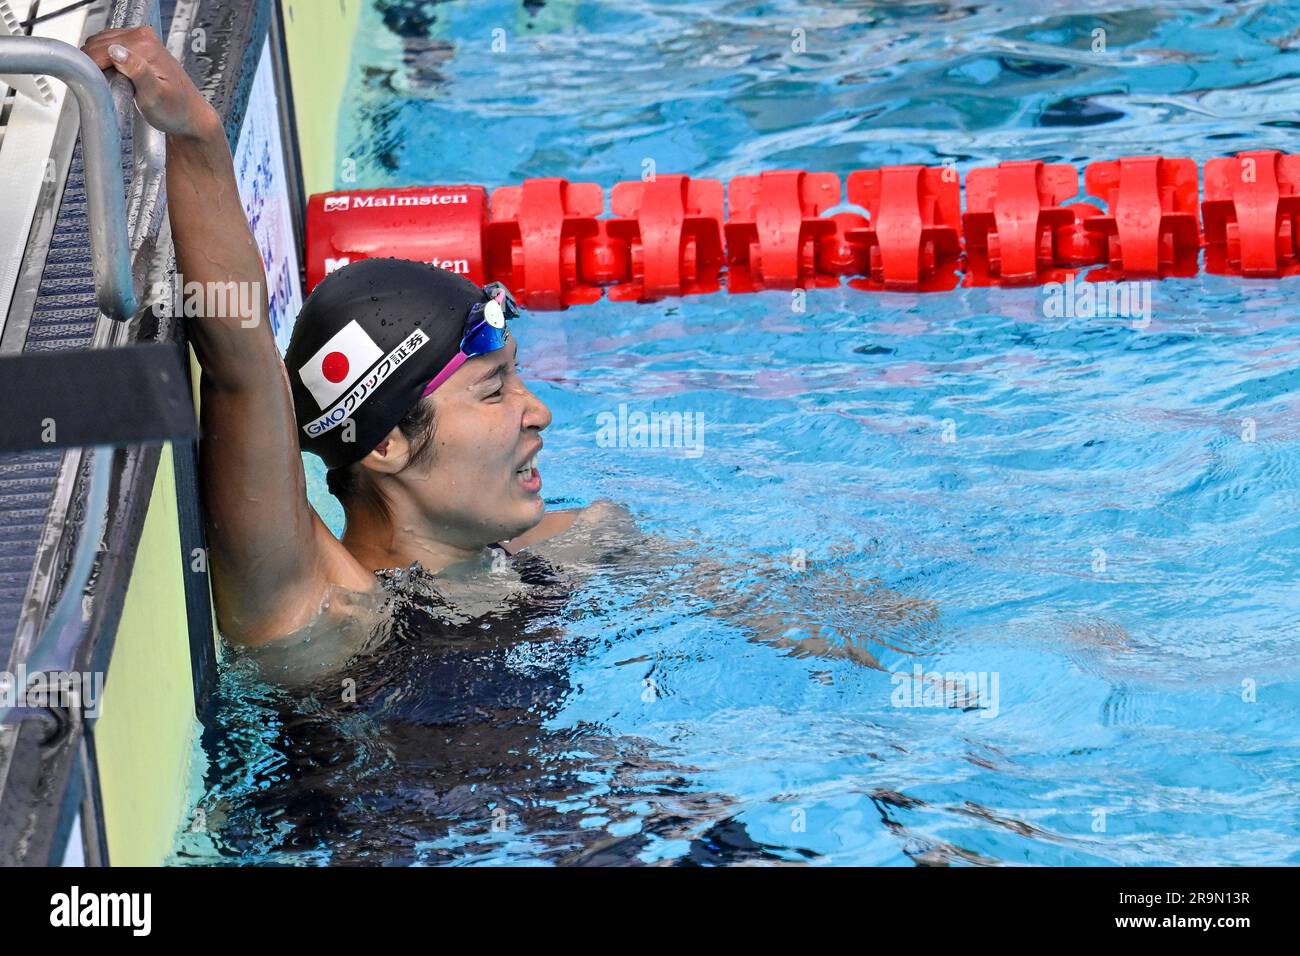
(938, 579)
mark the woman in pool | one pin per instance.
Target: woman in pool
(417, 713)
(401, 376)
(431, 716)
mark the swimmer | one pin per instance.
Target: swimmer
(401, 376)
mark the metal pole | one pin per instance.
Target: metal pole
(101, 145)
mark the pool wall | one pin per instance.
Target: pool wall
(145, 741)
(318, 37)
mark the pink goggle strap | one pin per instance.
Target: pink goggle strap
(446, 373)
(460, 359)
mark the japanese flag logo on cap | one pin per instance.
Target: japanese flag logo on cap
(339, 363)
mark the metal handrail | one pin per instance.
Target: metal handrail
(58, 643)
(101, 141)
(148, 145)
(101, 105)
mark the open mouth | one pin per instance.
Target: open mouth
(529, 469)
(529, 478)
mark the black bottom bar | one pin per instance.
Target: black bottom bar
(136, 394)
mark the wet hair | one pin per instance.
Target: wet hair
(355, 487)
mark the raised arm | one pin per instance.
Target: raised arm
(271, 557)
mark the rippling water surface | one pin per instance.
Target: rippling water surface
(1094, 518)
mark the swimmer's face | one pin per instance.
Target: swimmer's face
(487, 426)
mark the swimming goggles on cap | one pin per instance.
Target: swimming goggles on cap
(486, 330)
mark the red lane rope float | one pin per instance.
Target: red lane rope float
(1017, 231)
(670, 230)
(550, 242)
(1251, 210)
(774, 229)
(533, 236)
(444, 225)
(1152, 230)
(913, 231)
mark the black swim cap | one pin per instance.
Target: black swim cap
(367, 341)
